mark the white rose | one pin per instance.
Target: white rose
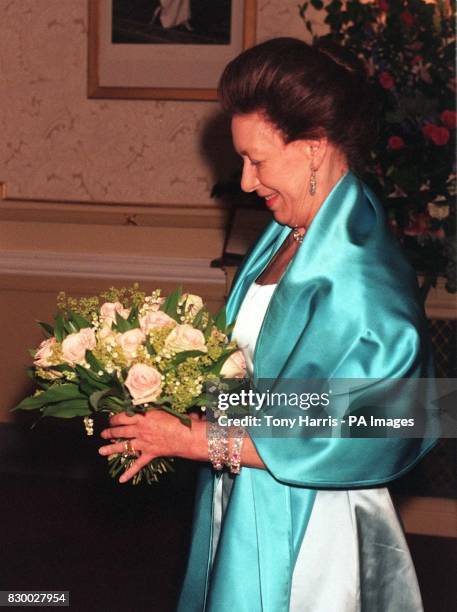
(130, 341)
(235, 366)
(155, 319)
(185, 338)
(44, 353)
(144, 383)
(193, 303)
(108, 312)
(74, 346)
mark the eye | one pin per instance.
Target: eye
(255, 162)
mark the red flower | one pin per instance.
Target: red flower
(417, 59)
(449, 118)
(407, 19)
(438, 135)
(396, 143)
(384, 5)
(418, 225)
(438, 233)
(386, 80)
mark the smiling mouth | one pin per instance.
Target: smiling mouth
(270, 199)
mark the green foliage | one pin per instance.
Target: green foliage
(170, 306)
(408, 48)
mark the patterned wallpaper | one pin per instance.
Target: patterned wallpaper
(57, 144)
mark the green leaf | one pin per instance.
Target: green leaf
(122, 324)
(95, 365)
(48, 329)
(217, 367)
(133, 316)
(209, 328)
(170, 305)
(68, 409)
(56, 393)
(221, 320)
(59, 329)
(96, 396)
(79, 321)
(91, 378)
(183, 355)
(150, 349)
(70, 327)
(198, 319)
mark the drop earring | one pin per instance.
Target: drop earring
(312, 180)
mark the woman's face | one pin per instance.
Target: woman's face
(277, 171)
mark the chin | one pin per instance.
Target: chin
(282, 219)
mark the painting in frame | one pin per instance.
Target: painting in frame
(165, 49)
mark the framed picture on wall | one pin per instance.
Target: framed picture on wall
(165, 49)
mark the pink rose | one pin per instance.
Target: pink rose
(144, 383)
(44, 353)
(74, 346)
(386, 80)
(235, 366)
(130, 341)
(185, 338)
(108, 312)
(396, 143)
(155, 319)
(449, 118)
(438, 135)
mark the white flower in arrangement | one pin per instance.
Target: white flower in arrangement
(108, 312)
(192, 303)
(74, 346)
(144, 383)
(235, 366)
(130, 341)
(185, 338)
(44, 353)
(108, 367)
(155, 319)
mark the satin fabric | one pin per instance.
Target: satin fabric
(346, 307)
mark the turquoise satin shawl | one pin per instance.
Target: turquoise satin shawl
(346, 307)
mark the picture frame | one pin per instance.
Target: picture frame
(161, 71)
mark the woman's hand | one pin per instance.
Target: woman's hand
(155, 434)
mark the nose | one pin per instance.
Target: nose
(249, 180)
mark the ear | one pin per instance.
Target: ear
(316, 150)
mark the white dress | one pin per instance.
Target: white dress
(354, 556)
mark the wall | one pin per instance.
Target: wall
(99, 192)
(58, 144)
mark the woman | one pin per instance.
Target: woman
(324, 294)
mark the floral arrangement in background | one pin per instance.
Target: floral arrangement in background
(128, 351)
(408, 48)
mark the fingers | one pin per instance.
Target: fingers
(118, 448)
(136, 467)
(123, 419)
(125, 431)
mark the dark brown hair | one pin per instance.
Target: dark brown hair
(305, 92)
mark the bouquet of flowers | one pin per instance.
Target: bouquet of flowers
(128, 351)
